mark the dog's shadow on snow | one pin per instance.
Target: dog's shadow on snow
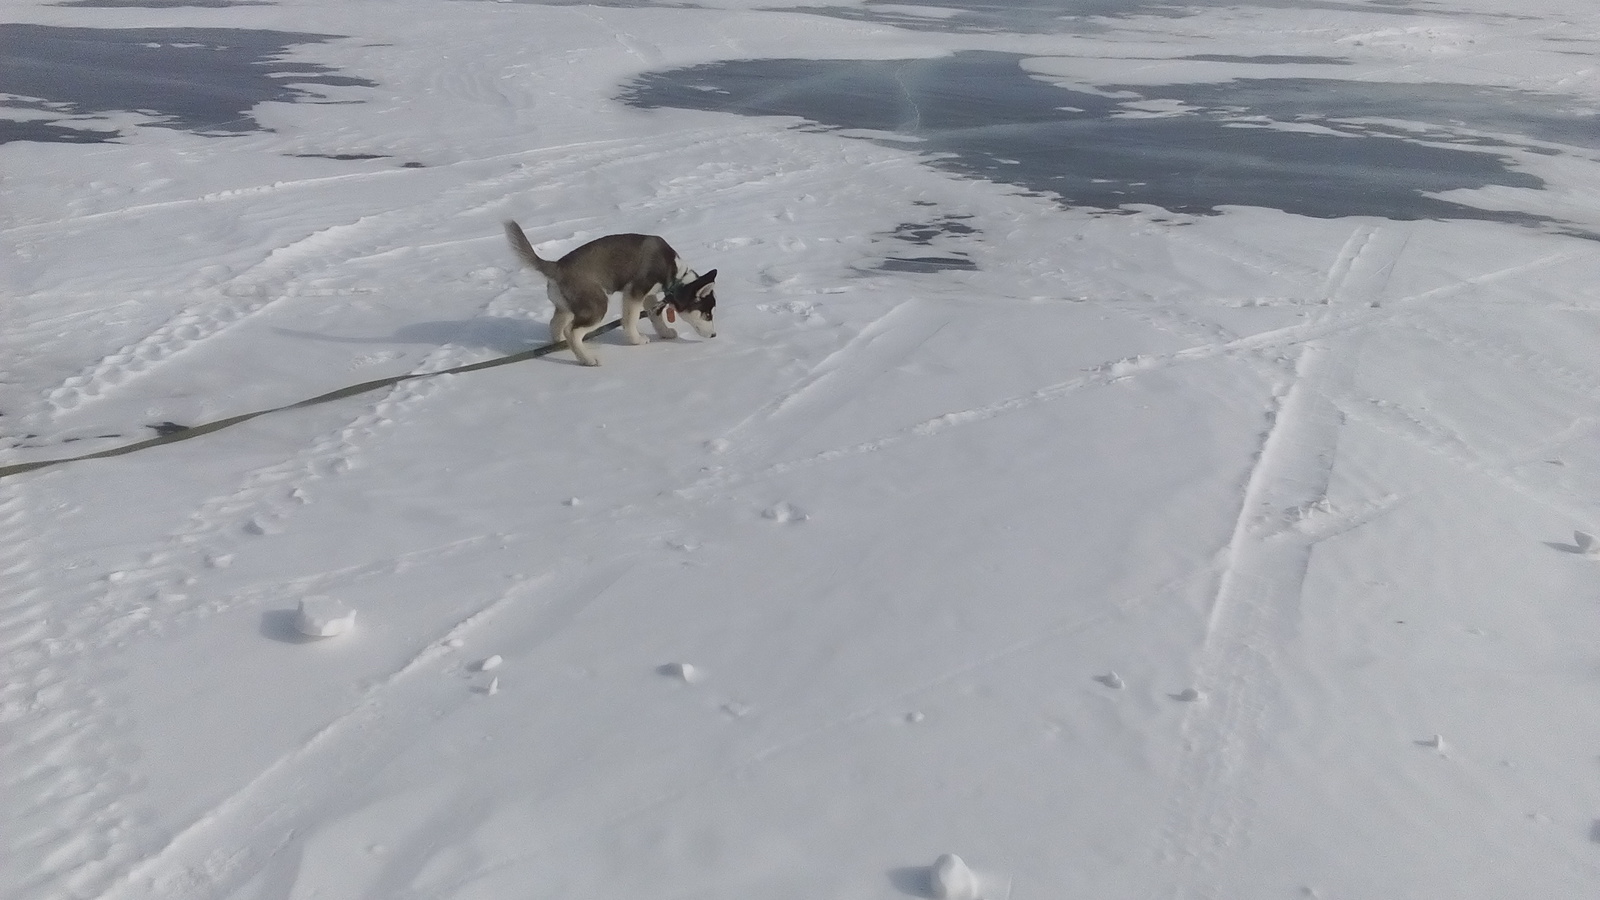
(499, 334)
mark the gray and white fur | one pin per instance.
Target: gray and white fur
(642, 267)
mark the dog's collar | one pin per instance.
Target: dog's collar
(670, 288)
(678, 281)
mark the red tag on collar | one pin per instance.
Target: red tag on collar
(672, 313)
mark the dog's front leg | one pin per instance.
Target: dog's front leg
(663, 330)
(631, 307)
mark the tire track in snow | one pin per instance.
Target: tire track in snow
(1035, 639)
(317, 184)
(1410, 425)
(249, 293)
(1444, 444)
(224, 847)
(1258, 593)
(266, 498)
(154, 594)
(49, 724)
(1334, 323)
(266, 284)
(834, 381)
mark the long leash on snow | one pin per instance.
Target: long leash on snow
(169, 433)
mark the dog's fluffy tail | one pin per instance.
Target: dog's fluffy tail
(519, 243)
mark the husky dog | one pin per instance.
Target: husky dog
(640, 266)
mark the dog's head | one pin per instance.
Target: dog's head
(696, 300)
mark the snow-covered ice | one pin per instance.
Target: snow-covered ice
(1245, 349)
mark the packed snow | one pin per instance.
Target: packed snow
(323, 617)
(1149, 449)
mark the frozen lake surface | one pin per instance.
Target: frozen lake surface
(205, 80)
(1308, 146)
(1149, 451)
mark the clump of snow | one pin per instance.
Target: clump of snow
(1188, 695)
(952, 879)
(323, 617)
(682, 671)
(493, 688)
(490, 664)
(784, 513)
(1586, 543)
(1111, 680)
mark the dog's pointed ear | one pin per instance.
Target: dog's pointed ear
(704, 280)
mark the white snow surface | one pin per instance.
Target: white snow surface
(1321, 475)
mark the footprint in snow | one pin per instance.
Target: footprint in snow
(1111, 680)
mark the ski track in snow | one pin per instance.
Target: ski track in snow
(1258, 592)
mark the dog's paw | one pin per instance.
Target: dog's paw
(636, 339)
(667, 334)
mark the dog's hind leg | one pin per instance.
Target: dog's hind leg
(585, 308)
(575, 336)
(562, 318)
(560, 323)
